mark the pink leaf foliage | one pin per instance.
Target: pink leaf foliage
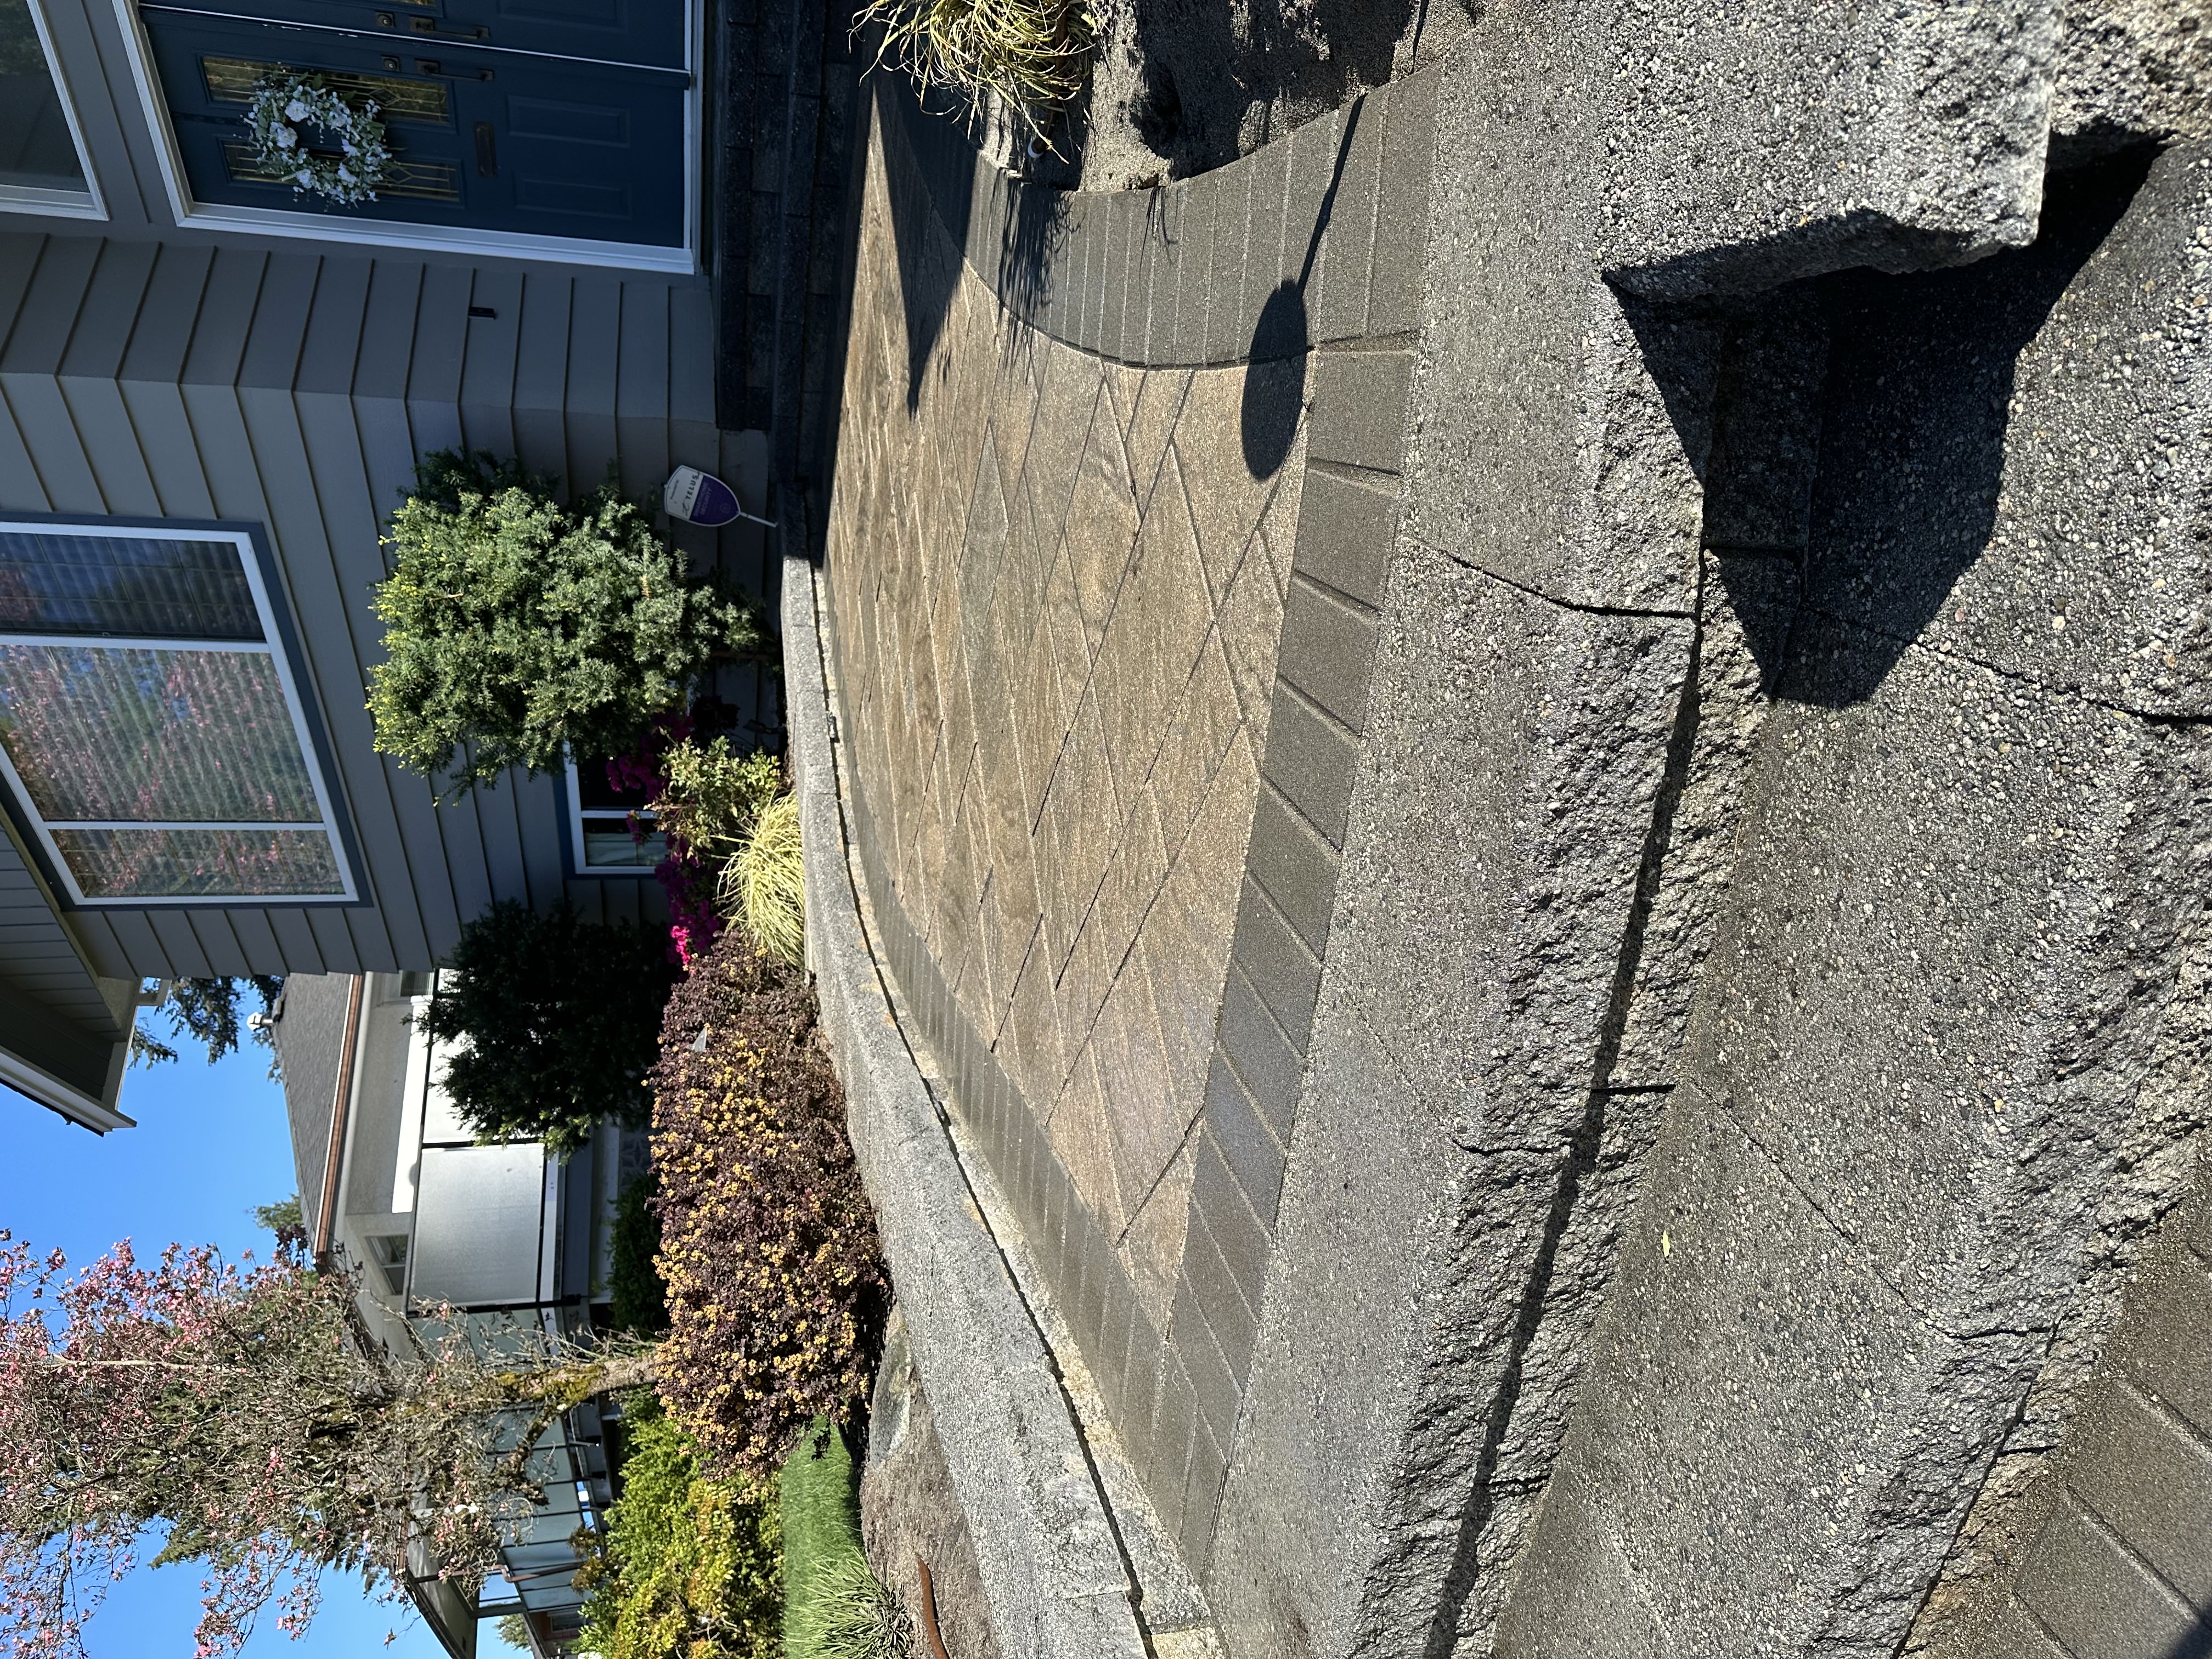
(249, 1417)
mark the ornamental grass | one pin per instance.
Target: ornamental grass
(764, 886)
(834, 1605)
(1030, 55)
(776, 1284)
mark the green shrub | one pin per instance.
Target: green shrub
(776, 1279)
(1032, 55)
(558, 1016)
(689, 1568)
(640, 1299)
(518, 632)
(731, 810)
(833, 1607)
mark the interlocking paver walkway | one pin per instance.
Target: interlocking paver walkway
(1057, 590)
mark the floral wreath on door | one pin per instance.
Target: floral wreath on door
(286, 105)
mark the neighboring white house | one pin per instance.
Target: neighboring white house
(391, 1181)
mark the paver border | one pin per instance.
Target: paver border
(1195, 264)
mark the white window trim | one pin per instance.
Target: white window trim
(576, 837)
(273, 642)
(433, 239)
(86, 204)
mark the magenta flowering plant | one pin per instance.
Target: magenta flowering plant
(686, 875)
(245, 1416)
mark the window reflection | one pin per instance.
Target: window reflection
(38, 151)
(156, 769)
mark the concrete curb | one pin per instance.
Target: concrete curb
(1052, 1570)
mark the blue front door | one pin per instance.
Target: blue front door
(607, 31)
(490, 127)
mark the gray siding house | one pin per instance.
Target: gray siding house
(212, 393)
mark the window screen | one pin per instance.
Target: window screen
(149, 724)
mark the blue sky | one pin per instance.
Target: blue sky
(210, 1145)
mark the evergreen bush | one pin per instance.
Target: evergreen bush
(556, 1018)
(520, 632)
(776, 1287)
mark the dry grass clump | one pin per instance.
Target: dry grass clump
(1030, 55)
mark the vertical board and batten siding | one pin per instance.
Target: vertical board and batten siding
(295, 390)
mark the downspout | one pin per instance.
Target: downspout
(327, 1213)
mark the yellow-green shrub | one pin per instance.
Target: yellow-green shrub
(690, 1568)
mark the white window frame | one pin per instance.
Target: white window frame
(433, 239)
(272, 641)
(86, 204)
(575, 802)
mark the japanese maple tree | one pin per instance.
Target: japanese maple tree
(246, 1415)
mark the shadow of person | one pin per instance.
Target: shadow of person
(1274, 381)
(2196, 1643)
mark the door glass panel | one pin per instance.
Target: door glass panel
(607, 14)
(37, 149)
(421, 181)
(232, 81)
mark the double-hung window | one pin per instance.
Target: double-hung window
(152, 730)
